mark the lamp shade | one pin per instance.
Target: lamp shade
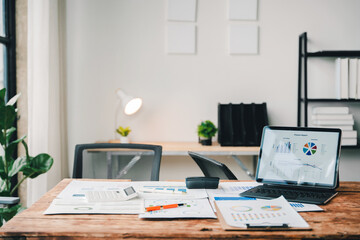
(130, 104)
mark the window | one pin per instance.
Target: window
(8, 54)
(7, 47)
(1, 49)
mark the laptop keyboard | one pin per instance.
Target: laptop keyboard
(293, 195)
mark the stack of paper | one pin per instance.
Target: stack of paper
(191, 203)
(72, 200)
(336, 117)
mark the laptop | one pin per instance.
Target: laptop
(302, 164)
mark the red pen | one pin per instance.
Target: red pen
(155, 208)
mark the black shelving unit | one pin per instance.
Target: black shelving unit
(303, 99)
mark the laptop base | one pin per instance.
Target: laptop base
(292, 195)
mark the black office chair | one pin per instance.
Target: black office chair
(211, 167)
(138, 162)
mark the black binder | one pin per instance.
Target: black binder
(241, 124)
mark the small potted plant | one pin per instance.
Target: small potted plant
(206, 130)
(124, 132)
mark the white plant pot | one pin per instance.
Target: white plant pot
(124, 139)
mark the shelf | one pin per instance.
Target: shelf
(351, 147)
(331, 100)
(303, 100)
(334, 54)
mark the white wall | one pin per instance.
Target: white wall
(121, 44)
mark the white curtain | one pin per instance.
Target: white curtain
(46, 93)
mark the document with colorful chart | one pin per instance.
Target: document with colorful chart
(259, 214)
(190, 208)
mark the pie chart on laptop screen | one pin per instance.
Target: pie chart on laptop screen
(310, 148)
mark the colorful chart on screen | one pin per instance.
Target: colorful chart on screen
(298, 157)
(310, 148)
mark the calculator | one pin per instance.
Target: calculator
(111, 195)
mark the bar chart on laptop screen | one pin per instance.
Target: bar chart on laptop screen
(302, 157)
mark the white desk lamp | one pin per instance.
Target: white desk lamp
(129, 104)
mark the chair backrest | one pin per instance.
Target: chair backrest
(138, 162)
(211, 167)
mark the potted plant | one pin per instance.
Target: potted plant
(124, 132)
(206, 130)
(31, 167)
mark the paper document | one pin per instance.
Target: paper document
(59, 206)
(72, 199)
(305, 207)
(194, 208)
(167, 190)
(76, 190)
(231, 191)
(260, 212)
(232, 188)
(299, 207)
(238, 187)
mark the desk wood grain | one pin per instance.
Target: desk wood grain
(339, 221)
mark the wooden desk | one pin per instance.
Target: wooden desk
(340, 220)
(182, 148)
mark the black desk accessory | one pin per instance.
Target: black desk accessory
(202, 182)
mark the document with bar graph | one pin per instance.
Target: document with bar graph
(230, 191)
(259, 215)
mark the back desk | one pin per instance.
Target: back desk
(341, 219)
(182, 148)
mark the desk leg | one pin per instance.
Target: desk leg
(255, 161)
(108, 161)
(243, 167)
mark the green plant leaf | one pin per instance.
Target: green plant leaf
(37, 165)
(123, 131)
(15, 142)
(206, 129)
(127, 131)
(3, 190)
(8, 116)
(7, 213)
(3, 174)
(16, 166)
(2, 97)
(11, 148)
(2, 137)
(26, 149)
(9, 133)
(13, 100)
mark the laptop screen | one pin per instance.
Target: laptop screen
(299, 157)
